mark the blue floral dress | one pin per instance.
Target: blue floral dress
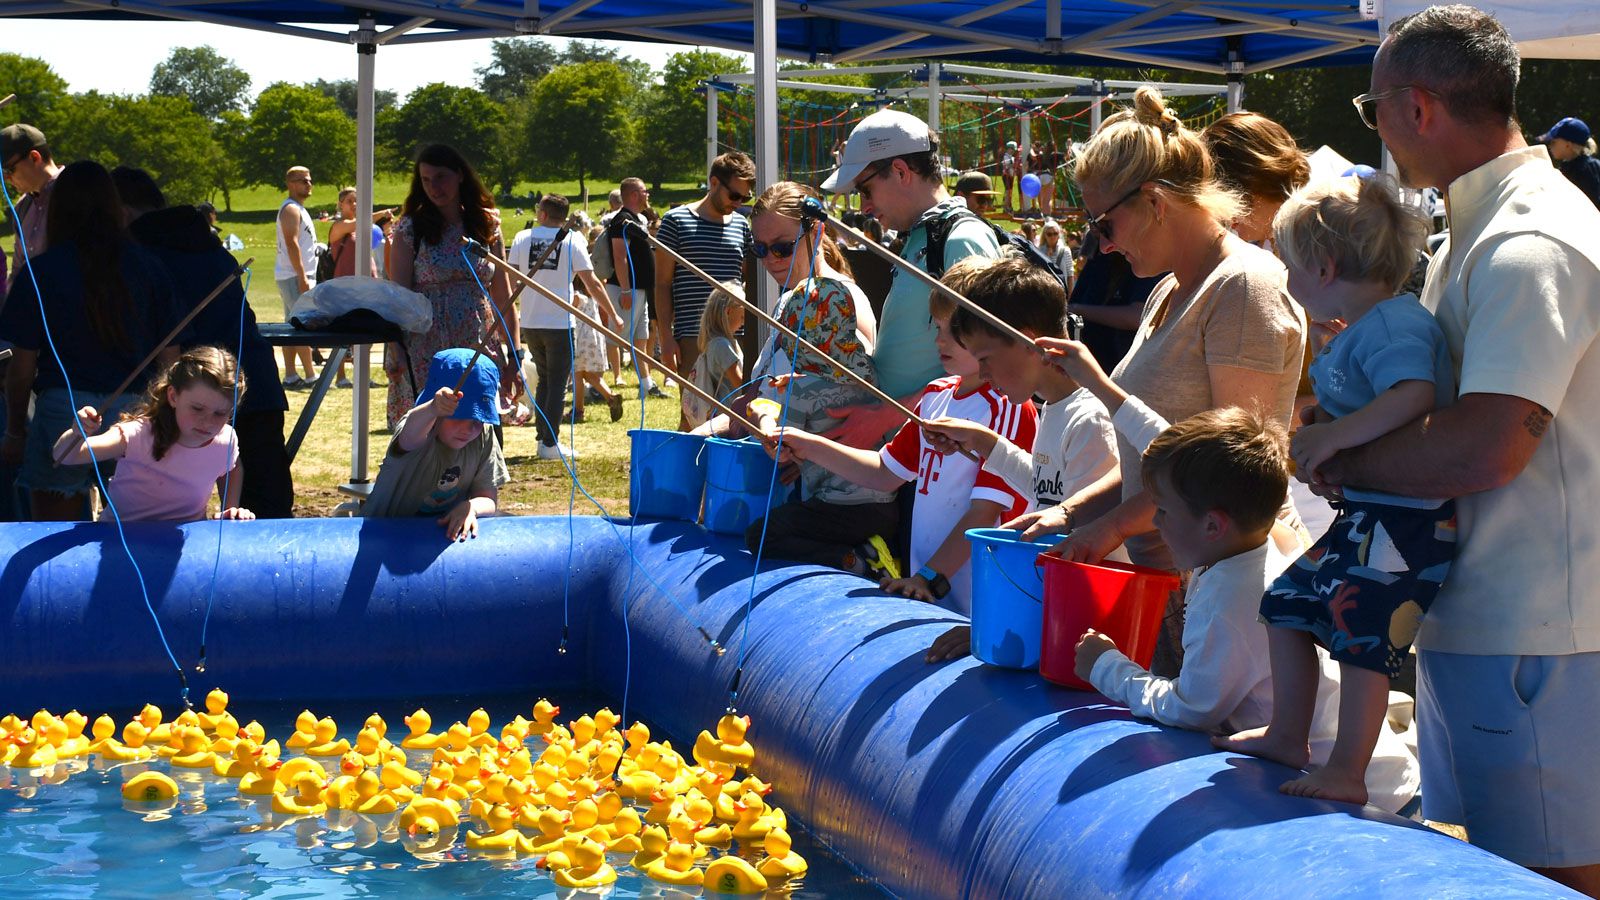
(462, 315)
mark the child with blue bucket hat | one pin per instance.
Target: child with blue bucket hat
(444, 461)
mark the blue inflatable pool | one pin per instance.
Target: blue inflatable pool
(958, 780)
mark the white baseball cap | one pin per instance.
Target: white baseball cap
(883, 135)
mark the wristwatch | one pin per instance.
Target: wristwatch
(937, 583)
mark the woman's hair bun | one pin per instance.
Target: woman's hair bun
(1150, 108)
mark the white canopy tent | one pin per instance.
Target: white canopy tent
(1543, 29)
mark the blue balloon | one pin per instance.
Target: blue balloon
(1030, 185)
(1360, 171)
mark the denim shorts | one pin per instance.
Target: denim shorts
(53, 413)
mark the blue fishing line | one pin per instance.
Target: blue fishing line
(122, 534)
(227, 479)
(772, 484)
(605, 515)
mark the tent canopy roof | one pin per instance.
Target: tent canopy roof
(1242, 36)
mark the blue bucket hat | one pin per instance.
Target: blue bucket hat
(479, 393)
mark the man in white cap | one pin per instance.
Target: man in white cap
(892, 161)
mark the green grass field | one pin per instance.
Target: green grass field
(537, 486)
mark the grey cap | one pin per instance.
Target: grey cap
(18, 139)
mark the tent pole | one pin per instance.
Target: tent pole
(766, 122)
(360, 396)
(1022, 157)
(1235, 75)
(711, 125)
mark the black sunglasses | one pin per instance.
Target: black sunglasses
(1101, 225)
(779, 249)
(861, 186)
(735, 196)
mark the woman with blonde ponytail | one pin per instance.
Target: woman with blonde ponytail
(1218, 330)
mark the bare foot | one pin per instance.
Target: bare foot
(1263, 743)
(1328, 784)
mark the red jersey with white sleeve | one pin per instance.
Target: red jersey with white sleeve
(947, 485)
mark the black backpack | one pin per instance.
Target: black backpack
(326, 264)
(939, 231)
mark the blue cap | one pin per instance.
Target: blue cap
(1571, 129)
(479, 393)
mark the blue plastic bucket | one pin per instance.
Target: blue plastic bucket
(666, 475)
(738, 482)
(1007, 597)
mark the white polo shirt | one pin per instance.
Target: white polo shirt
(1516, 288)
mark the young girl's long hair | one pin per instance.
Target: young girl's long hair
(476, 200)
(213, 367)
(714, 318)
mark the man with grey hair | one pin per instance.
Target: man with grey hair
(1509, 657)
(613, 203)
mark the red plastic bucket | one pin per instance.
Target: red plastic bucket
(1122, 601)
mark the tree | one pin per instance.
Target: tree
(517, 63)
(577, 122)
(210, 81)
(230, 133)
(670, 118)
(463, 117)
(162, 135)
(295, 125)
(41, 93)
(343, 92)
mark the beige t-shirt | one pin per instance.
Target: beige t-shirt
(1516, 288)
(1241, 316)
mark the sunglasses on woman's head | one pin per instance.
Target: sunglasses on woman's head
(779, 249)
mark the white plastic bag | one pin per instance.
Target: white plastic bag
(333, 298)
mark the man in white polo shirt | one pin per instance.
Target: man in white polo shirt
(1509, 657)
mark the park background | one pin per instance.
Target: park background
(572, 117)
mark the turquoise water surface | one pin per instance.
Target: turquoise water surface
(66, 832)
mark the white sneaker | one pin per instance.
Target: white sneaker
(556, 451)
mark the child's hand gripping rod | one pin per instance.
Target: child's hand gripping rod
(786, 332)
(480, 250)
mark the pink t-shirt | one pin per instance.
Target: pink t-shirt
(174, 488)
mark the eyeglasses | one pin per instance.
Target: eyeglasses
(861, 186)
(1367, 104)
(1100, 224)
(735, 196)
(10, 167)
(779, 249)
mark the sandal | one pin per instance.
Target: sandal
(615, 402)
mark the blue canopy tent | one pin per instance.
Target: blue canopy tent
(1233, 38)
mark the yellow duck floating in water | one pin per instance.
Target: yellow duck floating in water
(429, 815)
(196, 750)
(588, 867)
(216, 708)
(106, 746)
(327, 743)
(73, 743)
(371, 799)
(728, 747)
(502, 836)
(303, 797)
(478, 729)
(734, 875)
(305, 730)
(149, 787)
(676, 867)
(781, 861)
(544, 717)
(32, 750)
(419, 739)
(653, 842)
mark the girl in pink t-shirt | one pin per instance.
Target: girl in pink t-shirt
(173, 445)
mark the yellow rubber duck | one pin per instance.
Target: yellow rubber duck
(106, 746)
(558, 796)
(372, 748)
(305, 730)
(663, 806)
(196, 750)
(584, 788)
(149, 787)
(755, 818)
(653, 842)
(519, 764)
(781, 861)
(371, 798)
(254, 731)
(33, 751)
(544, 717)
(73, 743)
(429, 815)
(606, 760)
(399, 781)
(552, 826)
(262, 779)
(303, 797)
(639, 785)
(419, 739)
(729, 747)
(150, 718)
(225, 735)
(239, 763)
(588, 869)
(605, 723)
(676, 867)
(458, 737)
(292, 768)
(583, 731)
(478, 729)
(624, 831)
(682, 829)
(327, 743)
(514, 732)
(502, 836)
(637, 735)
(216, 708)
(731, 874)
(340, 793)
(376, 723)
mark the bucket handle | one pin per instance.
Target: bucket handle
(989, 548)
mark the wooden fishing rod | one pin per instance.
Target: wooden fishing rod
(738, 294)
(480, 250)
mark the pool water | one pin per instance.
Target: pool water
(66, 832)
